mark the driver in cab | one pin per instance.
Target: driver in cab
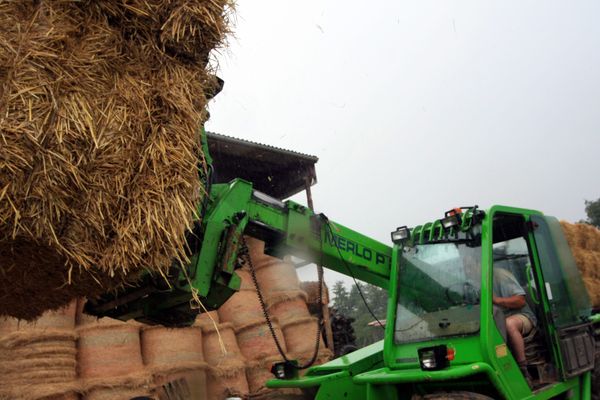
(509, 296)
(520, 320)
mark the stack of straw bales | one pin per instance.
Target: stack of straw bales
(38, 359)
(101, 104)
(584, 241)
(287, 307)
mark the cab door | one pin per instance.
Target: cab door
(568, 307)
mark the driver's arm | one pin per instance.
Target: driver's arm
(514, 302)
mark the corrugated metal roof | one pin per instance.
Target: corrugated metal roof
(277, 172)
(226, 138)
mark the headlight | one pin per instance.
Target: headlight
(400, 234)
(435, 358)
(450, 221)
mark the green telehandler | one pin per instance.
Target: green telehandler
(444, 337)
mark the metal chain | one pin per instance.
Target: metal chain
(268, 318)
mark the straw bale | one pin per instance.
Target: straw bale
(19, 366)
(134, 380)
(54, 376)
(256, 250)
(107, 352)
(182, 367)
(221, 349)
(227, 383)
(221, 327)
(185, 384)
(583, 236)
(323, 356)
(300, 335)
(278, 276)
(593, 287)
(33, 390)
(38, 363)
(259, 372)
(312, 290)
(588, 262)
(241, 308)
(207, 319)
(591, 236)
(101, 105)
(49, 348)
(256, 341)
(227, 367)
(287, 306)
(569, 232)
(171, 348)
(29, 337)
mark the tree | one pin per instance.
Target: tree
(352, 305)
(592, 209)
(341, 299)
(376, 299)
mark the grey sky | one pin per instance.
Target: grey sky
(416, 107)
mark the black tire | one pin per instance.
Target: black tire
(459, 395)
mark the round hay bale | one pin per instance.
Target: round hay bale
(259, 372)
(223, 383)
(186, 384)
(256, 250)
(256, 342)
(323, 356)
(312, 291)
(241, 308)
(40, 391)
(278, 276)
(286, 306)
(38, 363)
(108, 351)
(300, 335)
(47, 348)
(165, 348)
(207, 319)
(221, 346)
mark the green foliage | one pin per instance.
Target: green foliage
(342, 299)
(592, 209)
(352, 305)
